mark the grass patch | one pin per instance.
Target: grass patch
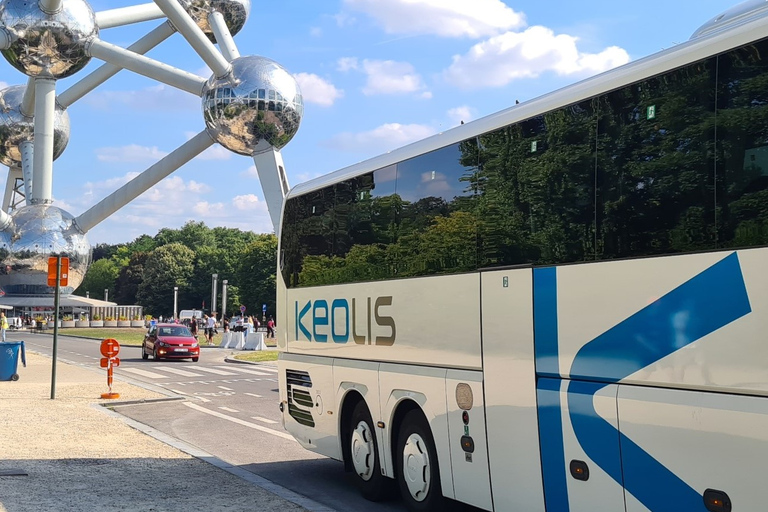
(123, 335)
(258, 356)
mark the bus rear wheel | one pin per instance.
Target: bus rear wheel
(418, 474)
(364, 455)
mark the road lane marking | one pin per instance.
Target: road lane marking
(240, 422)
(211, 370)
(177, 392)
(263, 420)
(244, 370)
(253, 395)
(224, 387)
(202, 399)
(177, 371)
(144, 373)
(228, 409)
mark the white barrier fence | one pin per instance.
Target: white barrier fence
(243, 341)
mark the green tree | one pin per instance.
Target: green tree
(102, 275)
(167, 266)
(129, 279)
(256, 275)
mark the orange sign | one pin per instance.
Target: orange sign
(110, 348)
(64, 280)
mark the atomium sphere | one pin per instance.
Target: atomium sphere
(235, 13)
(256, 108)
(38, 232)
(48, 45)
(16, 128)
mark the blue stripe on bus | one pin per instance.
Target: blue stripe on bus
(545, 321)
(702, 305)
(551, 442)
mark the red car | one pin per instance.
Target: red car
(173, 341)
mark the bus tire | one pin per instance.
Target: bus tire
(418, 474)
(364, 455)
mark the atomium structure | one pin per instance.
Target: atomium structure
(250, 105)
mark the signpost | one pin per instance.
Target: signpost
(263, 312)
(58, 276)
(242, 310)
(109, 349)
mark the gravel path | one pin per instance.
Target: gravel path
(77, 458)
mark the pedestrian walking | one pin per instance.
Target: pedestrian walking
(3, 325)
(210, 326)
(271, 328)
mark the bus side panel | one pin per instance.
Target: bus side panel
(690, 321)
(471, 480)
(426, 387)
(677, 444)
(510, 391)
(432, 321)
(306, 392)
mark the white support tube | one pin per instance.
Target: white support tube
(50, 6)
(145, 66)
(5, 220)
(42, 169)
(127, 15)
(144, 181)
(195, 37)
(10, 187)
(27, 155)
(5, 39)
(28, 101)
(107, 71)
(223, 36)
(274, 183)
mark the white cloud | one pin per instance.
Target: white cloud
(390, 77)
(446, 18)
(316, 31)
(383, 138)
(318, 90)
(459, 114)
(129, 153)
(248, 202)
(346, 63)
(250, 172)
(513, 55)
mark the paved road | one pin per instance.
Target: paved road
(230, 412)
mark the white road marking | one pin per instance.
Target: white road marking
(253, 395)
(228, 409)
(202, 399)
(144, 373)
(177, 392)
(244, 370)
(263, 420)
(223, 387)
(177, 371)
(240, 422)
(211, 370)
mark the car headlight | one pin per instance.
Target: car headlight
(194, 345)
(162, 344)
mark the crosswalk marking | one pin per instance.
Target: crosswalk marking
(244, 370)
(241, 422)
(225, 388)
(228, 409)
(253, 395)
(144, 373)
(211, 370)
(177, 371)
(263, 420)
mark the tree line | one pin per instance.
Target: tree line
(145, 271)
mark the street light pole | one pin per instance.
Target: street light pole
(106, 294)
(224, 284)
(213, 293)
(175, 302)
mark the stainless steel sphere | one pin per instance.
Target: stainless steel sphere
(37, 232)
(16, 128)
(48, 45)
(235, 13)
(255, 109)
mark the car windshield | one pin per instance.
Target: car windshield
(176, 330)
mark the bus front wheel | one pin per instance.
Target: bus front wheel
(417, 472)
(364, 454)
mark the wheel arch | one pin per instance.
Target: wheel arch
(348, 403)
(401, 409)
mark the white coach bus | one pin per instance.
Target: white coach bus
(560, 307)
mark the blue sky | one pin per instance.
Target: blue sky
(375, 75)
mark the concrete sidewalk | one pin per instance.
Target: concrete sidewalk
(74, 455)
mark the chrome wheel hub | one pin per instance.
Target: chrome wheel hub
(416, 469)
(363, 451)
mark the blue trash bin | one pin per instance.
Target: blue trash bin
(9, 359)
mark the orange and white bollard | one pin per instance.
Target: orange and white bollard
(109, 349)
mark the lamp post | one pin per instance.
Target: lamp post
(224, 284)
(106, 294)
(87, 295)
(175, 302)
(213, 293)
